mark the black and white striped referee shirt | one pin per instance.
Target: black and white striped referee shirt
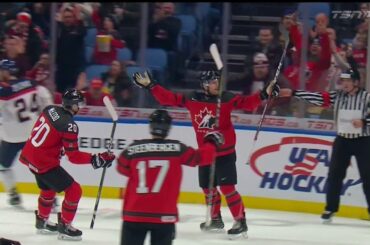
(341, 100)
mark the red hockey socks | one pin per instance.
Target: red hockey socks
(46, 200)
(70, 202)
(216, 202)
(234, 201)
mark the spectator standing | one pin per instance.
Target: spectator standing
(70, 57)
(128, 16)
(31, 34)
(164, 27)
(319, 59)
(40, 13)
(105, 53)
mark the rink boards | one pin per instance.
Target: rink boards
(287, 170)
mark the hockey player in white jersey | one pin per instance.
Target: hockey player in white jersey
(21, 101)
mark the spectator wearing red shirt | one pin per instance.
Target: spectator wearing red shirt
(94, 96)
(110, 29)
(319, 58)
(41, 71)
(30, 33)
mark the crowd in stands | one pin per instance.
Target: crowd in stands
(98, 47)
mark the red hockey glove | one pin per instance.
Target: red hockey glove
(102, 160)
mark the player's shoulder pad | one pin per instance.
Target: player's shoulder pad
(61, 119)
(227, 96)
(183, 147)
(195, 96)
(16, 87)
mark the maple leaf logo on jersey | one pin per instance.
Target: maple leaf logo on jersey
(205, 119)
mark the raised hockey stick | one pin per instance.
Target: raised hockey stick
(285, 33)
(114, 116)
(217, 59)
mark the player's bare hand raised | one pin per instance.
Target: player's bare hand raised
(143, 80)
(102, 160)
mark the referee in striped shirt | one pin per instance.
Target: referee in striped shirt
(351, 114)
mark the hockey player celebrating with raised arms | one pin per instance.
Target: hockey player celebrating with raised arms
(202, 108)
(154, 169)
(54, 130)
(21, 101)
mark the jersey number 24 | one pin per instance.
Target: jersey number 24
(21, 106)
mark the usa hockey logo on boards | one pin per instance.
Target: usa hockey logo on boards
(297, 163)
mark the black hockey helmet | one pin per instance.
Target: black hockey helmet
(72, 97)
(160, 123)
(208, 76)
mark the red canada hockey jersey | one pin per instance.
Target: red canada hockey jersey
(155, 172)
(54, 129)
(203, 112)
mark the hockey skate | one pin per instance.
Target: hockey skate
(14, 198)
(44, 226)
(216, 225)
(67, 231)
(327, 216)
(238, 230)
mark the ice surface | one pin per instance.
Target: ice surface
(265, 227)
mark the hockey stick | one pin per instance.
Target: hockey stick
(114, 116)
(217, 59)
(285, 33)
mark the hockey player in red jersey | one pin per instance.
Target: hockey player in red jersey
(154, 169)
(202, 108)
(55, 131)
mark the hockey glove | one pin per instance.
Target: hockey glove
(215, 138)
(102, 160)
(143, 80)
(272, 89)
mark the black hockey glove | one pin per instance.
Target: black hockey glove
(102, 160)
(143, 80)
(215, 138)
(273, 89)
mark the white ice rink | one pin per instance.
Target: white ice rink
(265, 227)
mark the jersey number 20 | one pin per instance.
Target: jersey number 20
(141, 166)
(41, 132)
